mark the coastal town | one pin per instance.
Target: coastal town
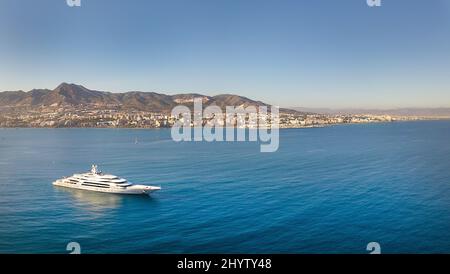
(91, 117)
(72, 105)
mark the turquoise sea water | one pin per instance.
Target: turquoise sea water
(326, 190)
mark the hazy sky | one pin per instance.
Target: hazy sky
(318, 53)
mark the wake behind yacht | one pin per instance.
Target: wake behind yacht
(95, 180)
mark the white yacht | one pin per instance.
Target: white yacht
(95, 180)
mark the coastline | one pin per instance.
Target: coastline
(280, 128)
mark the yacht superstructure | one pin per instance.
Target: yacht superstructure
(95, 180)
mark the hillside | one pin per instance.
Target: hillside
(76, 95)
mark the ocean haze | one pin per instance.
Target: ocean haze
(424, 112)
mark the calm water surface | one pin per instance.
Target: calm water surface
(326, 190)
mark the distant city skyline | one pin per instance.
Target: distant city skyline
(333, 54)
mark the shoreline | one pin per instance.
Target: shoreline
(279, 128)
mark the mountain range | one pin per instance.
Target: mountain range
(76, 95)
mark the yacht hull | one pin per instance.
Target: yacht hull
(131, 190)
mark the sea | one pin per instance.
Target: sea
(326, 190)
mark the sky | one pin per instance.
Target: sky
(317, 53)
